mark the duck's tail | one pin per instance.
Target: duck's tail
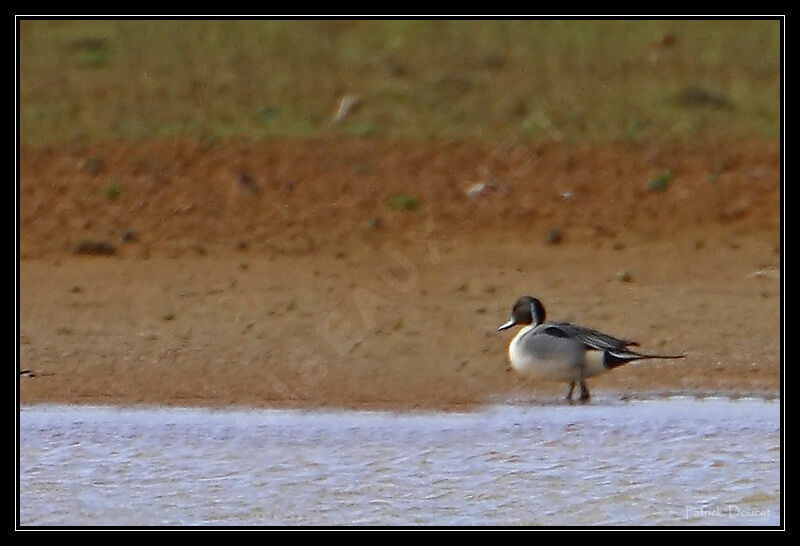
(614, 358)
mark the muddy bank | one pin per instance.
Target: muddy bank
(301, 197)
(285, 274)
(392, 327)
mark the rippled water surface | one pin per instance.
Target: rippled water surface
(681, 462)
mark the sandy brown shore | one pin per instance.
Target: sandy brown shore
(275, 274)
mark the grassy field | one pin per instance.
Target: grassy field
(96, 81)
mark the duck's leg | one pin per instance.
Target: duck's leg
(584, 392)
(569, 394)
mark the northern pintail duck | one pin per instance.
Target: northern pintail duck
(561, 351)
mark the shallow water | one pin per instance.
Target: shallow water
(675, 462)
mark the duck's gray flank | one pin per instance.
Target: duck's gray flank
(563, 351)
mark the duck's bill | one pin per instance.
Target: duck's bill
(507, 325)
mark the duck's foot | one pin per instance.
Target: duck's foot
(585, 395)
(568, 398)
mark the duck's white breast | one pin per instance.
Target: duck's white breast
(521, 362)
(527, 364)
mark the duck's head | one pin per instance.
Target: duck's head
(526, 310)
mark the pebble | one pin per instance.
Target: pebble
(554, 237)
(625, 276)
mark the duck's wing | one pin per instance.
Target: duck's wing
(593, 339)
